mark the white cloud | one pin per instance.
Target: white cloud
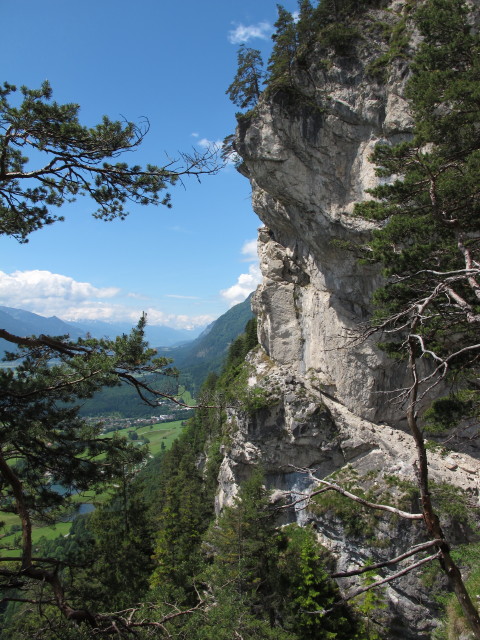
(156, 317)
(246, 283)
(49, 294)
(30, 287)
(213, 145)
(250, 251)
(117, 313)
(245, 33)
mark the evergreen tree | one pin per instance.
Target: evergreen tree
(307, 26)
(122, 552)
(284, 47)
(246, 86)
(429, 244)
(44, 442)
(277, 577)
(46, 445)
(307, 591)
(72, 160)
(182, 519)
(242, 541)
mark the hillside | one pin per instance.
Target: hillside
(207, 353)
(194, 360)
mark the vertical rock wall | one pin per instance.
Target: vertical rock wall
(306, 155)
(308, 164)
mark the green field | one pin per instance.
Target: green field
(165, 432)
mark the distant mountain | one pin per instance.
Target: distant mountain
(24, 323)
(207, 353)
(155, 334)
(194, 358)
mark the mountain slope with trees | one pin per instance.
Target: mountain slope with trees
(207, 353)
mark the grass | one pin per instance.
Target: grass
(162, 433)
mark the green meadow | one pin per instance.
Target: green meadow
(157, 434)
(160, 436)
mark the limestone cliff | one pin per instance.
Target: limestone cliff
(306, 154)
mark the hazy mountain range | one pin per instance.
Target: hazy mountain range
(193, 354)
(25, 323)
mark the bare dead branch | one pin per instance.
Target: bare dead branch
(351, 496)
(386, 563)
(394, 576)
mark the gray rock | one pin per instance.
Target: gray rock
(308, 165)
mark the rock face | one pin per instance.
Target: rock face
(308, 165)
(326, 403)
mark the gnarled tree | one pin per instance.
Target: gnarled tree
(70, 159)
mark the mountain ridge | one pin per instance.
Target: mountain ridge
(26, 323)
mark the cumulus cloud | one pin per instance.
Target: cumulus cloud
(246, 283)
(49, 294)
(245, 33)
(249, 250)
(29, 287)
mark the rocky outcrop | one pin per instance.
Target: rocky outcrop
(327, 401)
(307, 168)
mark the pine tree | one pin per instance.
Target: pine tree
(182, 519)
(245, 89)
(44, 441)
(307, 26)
(429, 244)
(73, 160)
(284, 48)
(243, 545)
(306, 587)
(122, 551)
(45, 444)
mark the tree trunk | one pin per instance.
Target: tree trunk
(432, 522)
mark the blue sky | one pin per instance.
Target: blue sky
(170, 62)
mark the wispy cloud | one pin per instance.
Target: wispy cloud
(179, 297)
(137, 296)
(179, 229)
(245, 33)
(214, 145)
